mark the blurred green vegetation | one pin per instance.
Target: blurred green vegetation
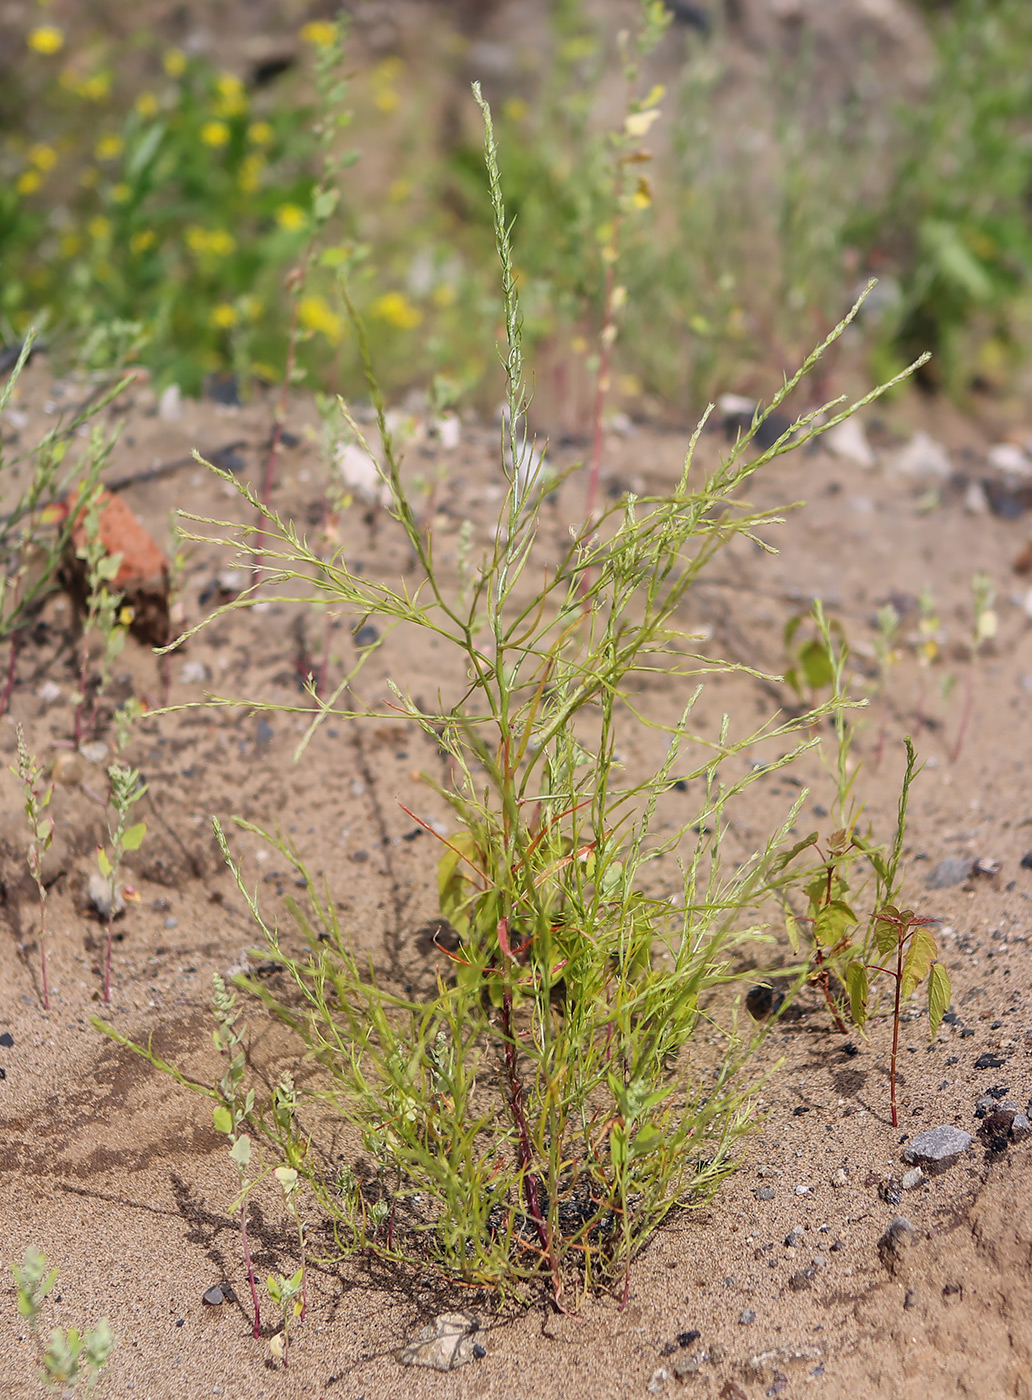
(156, 208)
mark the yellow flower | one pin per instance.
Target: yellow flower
(444, 294)
(99, 228)
(109, 147)
(516, 109)
(71, 245)
(231, 96)
(120, 193)
(214, 133)
(221, 242)
(175, 63)
(397, 310)
(224, 316)
(197, 239)
(143, 239)
(260, 133)
(320, 32)
(314, 314)
(147, 105)
(291, 217)
(387, 100)
(43, 157)
(95, 88)
(28, 182)
(47, 38)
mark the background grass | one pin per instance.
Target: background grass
(153, 204)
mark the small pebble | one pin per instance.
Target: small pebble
(213, 1296)
(839, 1177)
(954, 870)
(746, 1316)
(912, 1179)
(765, 1193)
(802, 1190)
(938, 1148)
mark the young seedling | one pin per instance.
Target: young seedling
(232, 1113)
(126, 791)
(105, 617)
(70, 1356)
(37, 793)
(287, 1297)
(983, 597)
(903, 937)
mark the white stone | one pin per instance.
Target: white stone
(922, 458)
(849, 440)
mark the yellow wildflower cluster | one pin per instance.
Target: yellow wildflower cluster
(396, 309)
(46, 39)
(214, 242)
(215, 133)
(230, 98)
(385, 75)
(174, 63)
(314, 314)
(291, 217)
(142, 240)
(224, 316)
(109, 147)
(147, 105)
(320, 32)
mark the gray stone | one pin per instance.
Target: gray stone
(746, 1316)
(953, 870)
(446, 1343)
(1021, 1128)
(213, 1297)
(938, 1148)
(912, 1179)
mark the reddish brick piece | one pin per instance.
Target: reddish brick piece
(143, 576)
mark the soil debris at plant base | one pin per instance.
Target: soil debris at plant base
(118, 1175)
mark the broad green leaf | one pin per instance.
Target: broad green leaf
(831, 923)
(919, 958)
(939, 993)
(646, 1141)
(103, 863)
(241, 1150)
(886, 930)
(132, 839)
(223, 1119)
(816, 665)
(857, 987)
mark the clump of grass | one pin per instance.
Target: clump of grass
(537, 1114)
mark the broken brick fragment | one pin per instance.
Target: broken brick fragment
(143, 575)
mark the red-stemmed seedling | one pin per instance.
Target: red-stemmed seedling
(903, 939)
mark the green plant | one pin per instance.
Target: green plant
(233, 1112)
(126, 791)
(37, 794)
(69, 1356)
(903, 936)
(31, 548)
(105, 618)
(542, 1109)
(286, 1296)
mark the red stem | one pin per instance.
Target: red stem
(895, 1024)
(43, 949)
(107, 959)
(257, 1330)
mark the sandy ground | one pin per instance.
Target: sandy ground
(115, 1171)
